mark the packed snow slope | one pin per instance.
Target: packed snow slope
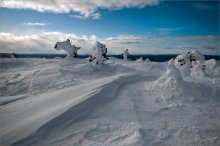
(123, 103)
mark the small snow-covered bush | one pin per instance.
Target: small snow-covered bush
(182, 62)
(125, 55)
(210, 64)
(139, 60)
(195, 55)
(193, 63)
(147, 60)
(198, 68)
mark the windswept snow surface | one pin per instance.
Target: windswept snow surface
(69, 102)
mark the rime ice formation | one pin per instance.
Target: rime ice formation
(12, 55)
(198, 68)
(98, 54)
(197, 63)
(210, 65)
(140, 59)
(192, 68)
(125, 55)
(147, 60)
(182, 62)
(193, 63)
(70, 49)
(195, 55)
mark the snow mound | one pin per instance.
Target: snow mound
(147, 60)
(65, 102)
(171, 81)
(210, 64)
(188, 80)
(211, 67)
(139, 60)
(198, 68)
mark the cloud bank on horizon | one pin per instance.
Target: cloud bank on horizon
(143, 26)
(44, 42)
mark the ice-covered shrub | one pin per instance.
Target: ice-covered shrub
(194, 64)
(189, 79)
(197, 61)
(210, 64)
(125, 55)
(195, 55)
(98, 54)
(12, 55)
(70, 49)
(147, 60)
(198, 68)
(182, 62)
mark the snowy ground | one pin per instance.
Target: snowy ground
(68, 103)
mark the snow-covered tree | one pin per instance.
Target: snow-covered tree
(195, 55)
(98, 54)
(125, 55)
(194, 63)
(12, 55)
(182, 62)
(70, 49)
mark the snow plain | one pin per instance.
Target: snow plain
(123, 103)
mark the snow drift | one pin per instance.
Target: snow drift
(64, 102)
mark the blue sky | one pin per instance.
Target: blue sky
(144, 26)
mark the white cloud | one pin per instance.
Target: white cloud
(44, 42)
(36, 24)
(209, 50)
(41, 42)
(78, 16)
(85, 8)
(93, 16)
(118, 44)
(125, 39)
(165, 31)
(201, 38)
(188, 47)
